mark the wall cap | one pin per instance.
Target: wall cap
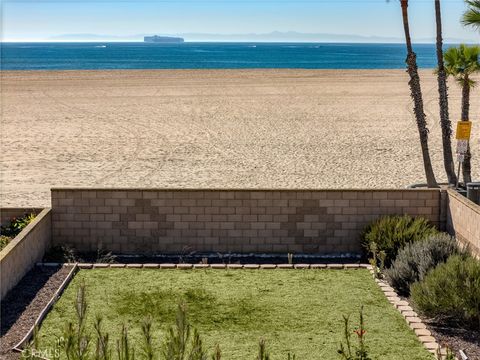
(468, 203)
(240, 189)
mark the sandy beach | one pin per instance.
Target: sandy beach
(214, 129)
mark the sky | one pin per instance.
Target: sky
(40, 20)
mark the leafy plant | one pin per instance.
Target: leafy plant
(349, 352)
(391, 233)
(416, 259)
(4, 241)
(451, 291)
(16, 225)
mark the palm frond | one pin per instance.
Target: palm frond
(471, 17)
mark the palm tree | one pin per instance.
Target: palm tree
(461, 63)
(445, 122)
(472, 16)
(416, 94)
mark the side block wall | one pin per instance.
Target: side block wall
(21, 254)
(463, 220)
(159, 221)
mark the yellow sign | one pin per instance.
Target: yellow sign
(464, 129)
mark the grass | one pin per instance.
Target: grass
(295, 311)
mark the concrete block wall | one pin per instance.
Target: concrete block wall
(21, 254)
(158, 221)
(463, 220)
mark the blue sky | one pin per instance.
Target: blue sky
(40, 20)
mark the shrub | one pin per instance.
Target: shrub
(16, 225)
(390, 233)
(416, 259)
(4, 240)
(451, 291)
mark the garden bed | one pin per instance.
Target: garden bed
(22, 306)
(294, 311)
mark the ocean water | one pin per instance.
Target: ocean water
(93, 56)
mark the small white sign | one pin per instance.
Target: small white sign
(461, 158)
(462, 146)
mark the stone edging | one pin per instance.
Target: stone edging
(187, 266)
(411, 317)
(414, 322)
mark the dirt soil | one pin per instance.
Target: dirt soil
(23, 304)
(457, 339)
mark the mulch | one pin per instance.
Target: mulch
(457, 339)
(23, 304)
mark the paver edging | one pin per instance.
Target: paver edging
(411, 317)
(219, 266)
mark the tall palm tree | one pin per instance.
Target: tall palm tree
(445, 122)
(472, 16)
(416, 94)
(462, 63)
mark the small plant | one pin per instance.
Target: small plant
(377, 261)
(176, 345)
(449, 354)
(391, 233)
(217, 354)
(262, 351)
(349, 352)
(451, 291)
(148, 352)
(4, 241)
(416, 259)
(290, 258)
(102, 350)
(76, 340)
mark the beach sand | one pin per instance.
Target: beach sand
(215, 129)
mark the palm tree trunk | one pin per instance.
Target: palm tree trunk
(416, 94)
(466, 167)
(443, 99)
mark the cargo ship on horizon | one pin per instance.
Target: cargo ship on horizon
(163, 39)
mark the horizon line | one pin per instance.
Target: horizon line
(231, 42)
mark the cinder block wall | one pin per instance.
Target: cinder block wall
(463, 220)
(159, 221)
(21, 254)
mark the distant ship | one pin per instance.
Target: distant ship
(163, 39)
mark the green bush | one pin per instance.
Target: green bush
(4, 240)
(451, 291)
(391, 233)
(416, 259)
(16, 225)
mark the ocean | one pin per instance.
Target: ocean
(104, 56)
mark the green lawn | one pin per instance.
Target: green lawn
(294, 310)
